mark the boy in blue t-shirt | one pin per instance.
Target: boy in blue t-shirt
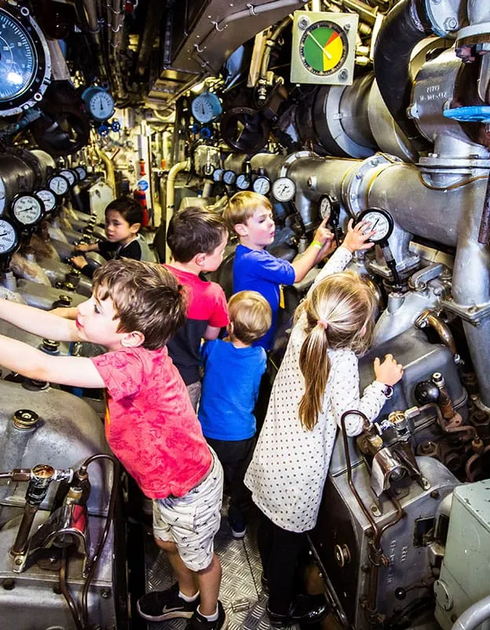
(232, 373)
(250, 216)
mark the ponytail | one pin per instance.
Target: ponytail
(315, 367)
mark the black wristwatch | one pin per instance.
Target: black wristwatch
(387, 391)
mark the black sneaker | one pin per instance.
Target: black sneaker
(305, 609)
(237, 523)
(162, 605)
(198, 622)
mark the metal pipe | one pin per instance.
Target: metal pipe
(474, 616)
(111, 180)
(170, 196)
(429, 318)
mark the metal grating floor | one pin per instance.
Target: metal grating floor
(241, 592)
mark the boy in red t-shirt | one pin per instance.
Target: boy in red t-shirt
(150, 423)
(197, 239)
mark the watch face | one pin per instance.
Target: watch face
(47, 197)
(284, 189)
(262, 185)
(243, 182)
(380, 221)
(323, 47)
(101, 105)
(59, 185)
(9, 239)
(27, 210)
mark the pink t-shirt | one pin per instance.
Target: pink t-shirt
(150, 424)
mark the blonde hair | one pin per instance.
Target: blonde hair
(250, 315)
(339, 314)
(242, 206)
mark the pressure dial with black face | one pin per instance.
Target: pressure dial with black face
(283, 189)
(59, 185)
(27, 210)
(380, 221)
(262, 185)
(9, 239)
(243, 182)
(229, 177)
(25, 66)
(47, 197)
(323, 47)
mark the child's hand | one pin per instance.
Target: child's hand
(78, 261)
(328, 248)
(82, 247)
(389, 372)
(323, 235)
(358, 236)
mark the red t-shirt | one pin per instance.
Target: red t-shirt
(150, 424)
(206, 306)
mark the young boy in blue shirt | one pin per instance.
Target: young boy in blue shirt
(250, 216)
(232, 373)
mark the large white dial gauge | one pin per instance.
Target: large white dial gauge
(47, 197)
(283, 189)
(9, 239)
(27, 210)
(380, 221)
(59, 185)
(262, 185)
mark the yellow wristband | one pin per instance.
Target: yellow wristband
(316, 244)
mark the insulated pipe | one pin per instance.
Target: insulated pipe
(474, 616)
(404, 26)
(170, 197)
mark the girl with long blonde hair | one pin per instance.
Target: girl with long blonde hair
(318, 380)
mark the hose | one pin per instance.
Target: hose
(474, 616)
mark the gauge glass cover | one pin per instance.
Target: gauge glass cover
(229, 177)
(218, 174)
(323, 48)
(81, 172)
(206, 107)
(284, 189)
(243, 182)
(69, 175)
(47, 197)
(101, 105)
(262, 185)
(9, 238)
(27, 209)
(58, 184)
(379, 220)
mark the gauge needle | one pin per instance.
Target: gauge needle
(325, 52)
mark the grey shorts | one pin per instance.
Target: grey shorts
(194, 391)
(192, 521)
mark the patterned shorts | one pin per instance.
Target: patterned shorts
(192, 521)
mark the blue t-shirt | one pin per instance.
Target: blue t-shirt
(229, 390)
(257, 270)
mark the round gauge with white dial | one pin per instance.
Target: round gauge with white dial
(27, 210)
(70, 175)
(47, 197)
(9, 239)
(380, 221)
(59, 185)
(81, 172)
(218, 174)
(229, 177)
(284, 189)
(262, 185)
(206, 107)
(243, 182)
(100, 104)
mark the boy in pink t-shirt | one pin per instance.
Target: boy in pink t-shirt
(150, 423)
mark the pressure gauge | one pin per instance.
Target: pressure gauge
(326, 206)
(283, 189)
(25, 66)
(206, 107)
(59, 185)
(218, 174)
(99, 103)
(27, 210)
(243, 182)
(81, 172)
(229, 178)
(323, 47)
(9, 239)
(380, 221)
(262, 185)
(69, 175)
(47, 197)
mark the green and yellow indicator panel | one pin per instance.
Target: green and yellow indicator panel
(323, 48)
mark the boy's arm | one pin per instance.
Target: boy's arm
(211, 333)
(65, 312)
(76, 371)
(38, 322)
(321, 242)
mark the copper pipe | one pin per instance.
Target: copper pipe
(429, 318)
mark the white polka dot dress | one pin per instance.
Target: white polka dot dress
(290, 464)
